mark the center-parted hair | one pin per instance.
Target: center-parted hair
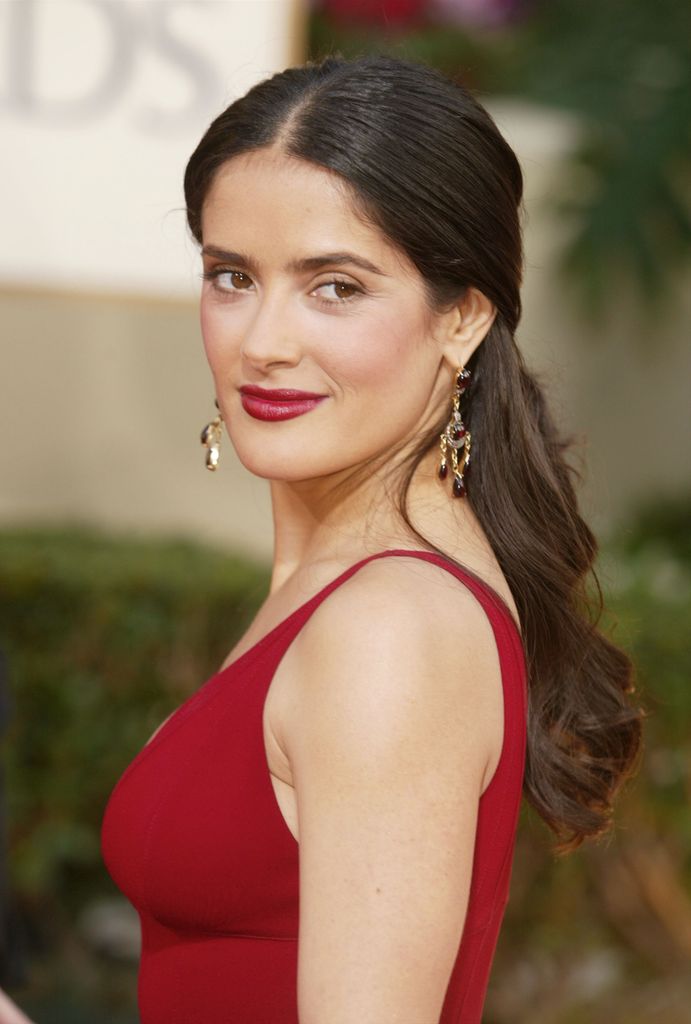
(426, 165)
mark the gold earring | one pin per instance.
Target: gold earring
(211, 439)
(456, 437)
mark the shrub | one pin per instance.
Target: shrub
(103, 638)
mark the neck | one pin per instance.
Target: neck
(339, 519)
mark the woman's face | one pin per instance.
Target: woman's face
(300, 293)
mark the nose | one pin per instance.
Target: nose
(270, 337)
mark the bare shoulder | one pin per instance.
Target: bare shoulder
(402, 603)
(401, 652)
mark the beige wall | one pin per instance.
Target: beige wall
(102, 399)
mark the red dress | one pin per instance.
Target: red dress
(194, 837)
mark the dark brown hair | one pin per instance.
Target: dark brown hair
(428, 166)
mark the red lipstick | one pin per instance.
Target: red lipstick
(277, 403)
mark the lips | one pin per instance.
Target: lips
(278, 403)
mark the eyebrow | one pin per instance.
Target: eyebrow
(296, 266)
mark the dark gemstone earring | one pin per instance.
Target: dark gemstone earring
(211, 439)
(456, 438)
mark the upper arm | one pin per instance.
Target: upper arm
(395, 713)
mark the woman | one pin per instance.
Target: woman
(323, 833)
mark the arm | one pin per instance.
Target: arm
(399, 700)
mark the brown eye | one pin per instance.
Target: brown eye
(232, 280)
(226, 280)
(238, 279)
(343, 291)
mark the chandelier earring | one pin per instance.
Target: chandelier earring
(211, 439)
(454, 442)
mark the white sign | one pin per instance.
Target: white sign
(101, 104)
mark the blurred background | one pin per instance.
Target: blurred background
(127, 571)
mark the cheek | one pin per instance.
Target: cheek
(368, 354)
(214, 333)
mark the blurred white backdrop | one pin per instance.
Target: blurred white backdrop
(101, 103)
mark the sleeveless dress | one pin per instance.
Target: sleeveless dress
(194, 837)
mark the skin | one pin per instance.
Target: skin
(10, 1012)
(386, 711)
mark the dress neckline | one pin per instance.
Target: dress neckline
(275, 631)
(216, 680)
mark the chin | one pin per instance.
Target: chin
(298, 462)
(272, 467)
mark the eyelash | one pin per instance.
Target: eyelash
(213, 275)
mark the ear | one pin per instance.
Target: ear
(465, 327)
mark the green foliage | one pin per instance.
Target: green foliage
(627, 894)
(647, 572)
(624, 70)
(104, 638)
